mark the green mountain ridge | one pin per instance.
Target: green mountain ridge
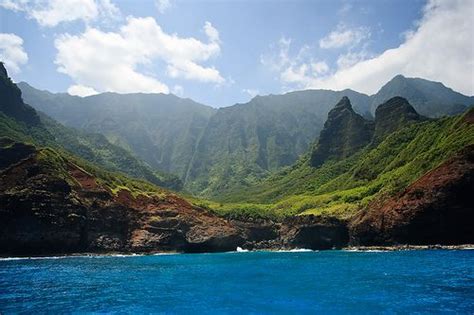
(61, 190)
(429, 98)
(342, 187)
(35, 127)
(214, 151)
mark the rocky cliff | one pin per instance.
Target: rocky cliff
(49, 204)
(436, 209)
(392, 115)
(11, 103)
(344, 133)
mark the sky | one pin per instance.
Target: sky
(224, 52)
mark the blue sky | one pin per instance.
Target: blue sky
(223, 52)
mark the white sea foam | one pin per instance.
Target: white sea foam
(365, 250)
(94, 256)
(296, 250)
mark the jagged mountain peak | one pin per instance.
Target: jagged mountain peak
(3, 71)
(344, 133)
(12, 104)
(392, 115)
(343, 103)
(429, 98)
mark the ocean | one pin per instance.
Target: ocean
(424, 281)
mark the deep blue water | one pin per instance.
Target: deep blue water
(258, 282)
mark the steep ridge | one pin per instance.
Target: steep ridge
(56, 204)
(206, 148)
(393, 115)
(245, 142)
(435, 209)
(429, 98)
(21, 122)
(50, 204)
(342, 188)
(160, 129)
(12, 104)
(209, 149)
(344, 133)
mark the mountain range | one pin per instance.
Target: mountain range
(390, 177)
(216, 150)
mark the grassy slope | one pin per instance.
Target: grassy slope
(92, 147)
(341, 188)
(55, 161)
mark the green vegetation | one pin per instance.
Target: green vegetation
(56, 161)
(93, 148)
(224, 154)
(343, 187)
(215, 152)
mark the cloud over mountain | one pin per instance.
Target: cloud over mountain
(438, 48)
(118, 61)
(12, 52)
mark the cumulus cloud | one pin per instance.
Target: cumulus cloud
(344, 36)
(12, 52)
(50, 13)
(109, 61)
(439, 48)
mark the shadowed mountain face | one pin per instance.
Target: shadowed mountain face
(393, 115)
(345, 132)
(208, 148)
(244, 142)
(429, 98)
(11, 103)
(21, 122)
(214, 150)
(435, 209)
(160, 129)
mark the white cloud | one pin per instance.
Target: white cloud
(50, 13)
(344, 36)
(299, 70)
(108, 61)
(251, 92)
(163, 5)
(178, 90)
(352, 57)
(80, 90)
(439, 48)
(12, 52)
(211, 32)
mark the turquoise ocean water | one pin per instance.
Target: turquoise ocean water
(439, 281)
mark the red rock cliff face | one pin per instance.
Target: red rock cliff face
(60, 208)
(437, 209)
(42, 213)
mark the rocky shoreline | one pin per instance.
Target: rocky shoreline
(49, 208)
(285, 250)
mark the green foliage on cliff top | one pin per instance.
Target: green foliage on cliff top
(342, 187)
(56, 162)
(93, 148)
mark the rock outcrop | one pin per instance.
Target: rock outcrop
(50, 205)
(345, 132)
(392, 115)
(12, 104)
(308, 231)
(54, 206)
(436, 209)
